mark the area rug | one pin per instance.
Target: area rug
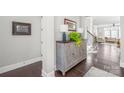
(95, 72)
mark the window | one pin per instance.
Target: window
(107, 32)
(119, 35)
(112, 32)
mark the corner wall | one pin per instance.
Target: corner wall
(48, 46)
(122, 41)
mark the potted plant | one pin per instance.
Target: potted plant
(76, 37)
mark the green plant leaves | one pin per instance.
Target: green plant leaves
(76, 37)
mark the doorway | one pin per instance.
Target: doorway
(105, 40)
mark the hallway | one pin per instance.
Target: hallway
(107, 58)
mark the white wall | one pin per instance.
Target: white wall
(89, 24)
(101, 32)
(83, 25)
(14, 49)
(48, 46)
(89, 27)
(122, 40)
(59, 20)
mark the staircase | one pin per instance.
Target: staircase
(91, 43)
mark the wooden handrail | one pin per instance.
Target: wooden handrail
(91, 34)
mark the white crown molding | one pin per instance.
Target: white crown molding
(19, 64)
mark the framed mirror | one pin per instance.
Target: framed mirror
(72, 25)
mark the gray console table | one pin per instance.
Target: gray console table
(68, 55)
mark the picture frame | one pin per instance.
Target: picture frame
(72, 25)
(19, 28)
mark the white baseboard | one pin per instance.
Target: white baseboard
(122, 64)
(19, 64)
(51, 74)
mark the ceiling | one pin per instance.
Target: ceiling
(100, 20)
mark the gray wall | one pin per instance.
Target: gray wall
(14, 49)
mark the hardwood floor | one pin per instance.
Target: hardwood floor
(33, 70)
(107, 58)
